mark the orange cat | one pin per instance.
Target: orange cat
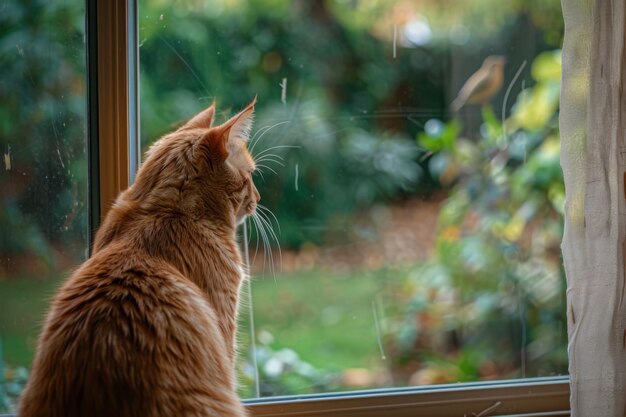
(146, 326)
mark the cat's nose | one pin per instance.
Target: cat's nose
(257, 196)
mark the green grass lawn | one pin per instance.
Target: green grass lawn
(23, 305)
(326, 318)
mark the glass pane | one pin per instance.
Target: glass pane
(409, 152)
(43, 174)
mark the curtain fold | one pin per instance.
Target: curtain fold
(593, 158)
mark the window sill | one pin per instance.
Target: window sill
(529, 397)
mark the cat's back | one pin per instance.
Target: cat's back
(129, 335)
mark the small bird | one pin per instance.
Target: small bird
(483, 84)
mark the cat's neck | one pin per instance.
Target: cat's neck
(213, 262)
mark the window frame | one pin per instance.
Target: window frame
(524, 397)
(113, 152)
(112, 100)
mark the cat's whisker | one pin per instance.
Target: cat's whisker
(259, 237)
(258, 171)
(267, 254)
(259, 166)
(257, 136)
(258, 132)
(249, 227)
(265, 132)
(266, 221)
(272, 235)
(269, 234)
(256, 250)
(253, 140)
(267, 247)
(268, 159)
(271, 148)
(274, 155)
(267, 210)
(278, 147)
(269, 155)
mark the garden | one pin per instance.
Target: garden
(401, 243)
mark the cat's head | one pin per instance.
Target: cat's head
(201, 170)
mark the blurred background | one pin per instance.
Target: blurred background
(408, 244)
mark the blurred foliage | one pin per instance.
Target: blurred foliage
(339, 101)
(494, 290)
(344, 88)
(345, 92)
(12, 382)
(43, 180)
(465, 23)
(282, 372)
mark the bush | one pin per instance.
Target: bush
(490, 304)
(12, 382)
(282, 372)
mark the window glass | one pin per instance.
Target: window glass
(409, 169)
(43, 172)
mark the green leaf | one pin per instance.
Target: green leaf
(494, 126)
(547, 66)
(445, 140)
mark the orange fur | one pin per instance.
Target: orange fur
(146, 327)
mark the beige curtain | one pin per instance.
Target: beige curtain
(593, 152)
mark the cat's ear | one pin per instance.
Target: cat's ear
(202, 120)
(236, 131)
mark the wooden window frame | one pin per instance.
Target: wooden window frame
(112, 62)
(112, 97)
(524, 397)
